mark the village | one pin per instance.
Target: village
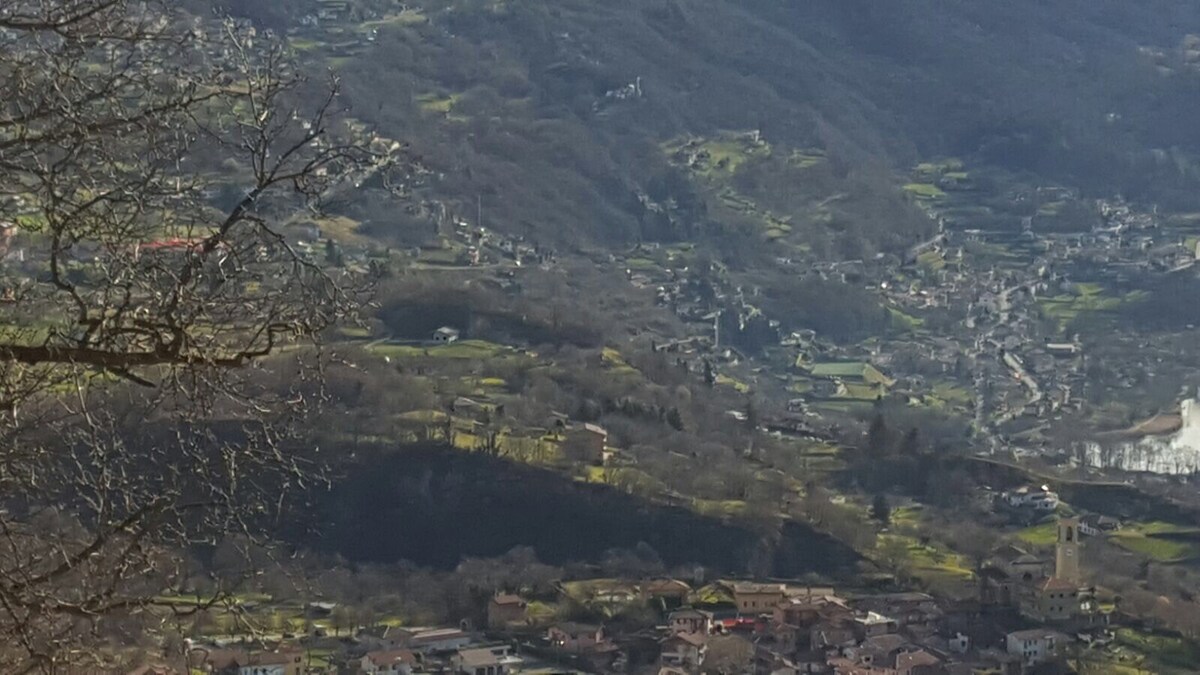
(1017, 612)
(1000, 316)
(1028, 614)
(1018, 313)
(1003, 327)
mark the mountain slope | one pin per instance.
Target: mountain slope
(553, 115)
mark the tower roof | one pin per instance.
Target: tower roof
(1059, 584)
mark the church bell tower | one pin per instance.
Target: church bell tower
(1066, 559)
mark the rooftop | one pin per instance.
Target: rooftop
(480, 657)
(1037, 634)
(435, 633)
(572, 628)
(872, 619)
(389, 656)
(1057, 584)
(744, 587)
(694, 639)
(851, 369)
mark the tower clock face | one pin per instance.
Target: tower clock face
(1070, 552)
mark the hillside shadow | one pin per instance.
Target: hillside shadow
(434, 506)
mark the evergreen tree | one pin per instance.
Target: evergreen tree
(879, 436)
(880, 510)
(675, 419)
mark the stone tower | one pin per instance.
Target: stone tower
(1066, 559)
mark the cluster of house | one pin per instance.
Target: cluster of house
(382, 651)
(1028, 613)
(1031, 610)
(813, 630)
(480, 245)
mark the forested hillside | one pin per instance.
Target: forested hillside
(555, 116)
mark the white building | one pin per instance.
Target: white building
(1028, 497)
(495, 660)
(1036, 645)
(445, 335)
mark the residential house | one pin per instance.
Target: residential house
(238, 662)
(1028, 497)
(685, 651)
(834, 633)
(887, 655)
(1036, 646)
(387, 662)
(671, 591)
(1027, 567)
(908, 609)
(505, 610)
(586, 443)
(808, 611)
(1018, 564)
(879, 651)
(1063, 349)
(873, 624)
(577, 638)
(959, 644)
(753, 598)
(429, 640)
(1054, 599)
(495, 660)
(689, 620)
(918, 662)
(1094, 525)
(445, 335)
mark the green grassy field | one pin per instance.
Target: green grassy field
(1039, 535)
(1086, 298)
(927, 191)
(931, 261)
(408, 17)
(1162, 653)
(719, 508)
(930, 562)
(435, 103)
(725, 153)
(950, 394)
(738, 385)
(463, 349)
(617, 364)
(1154, 547)
(904, 322)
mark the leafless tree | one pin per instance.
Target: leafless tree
(150, 163)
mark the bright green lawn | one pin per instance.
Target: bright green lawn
(1039, 535)
(924, 190)
(463, 349)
